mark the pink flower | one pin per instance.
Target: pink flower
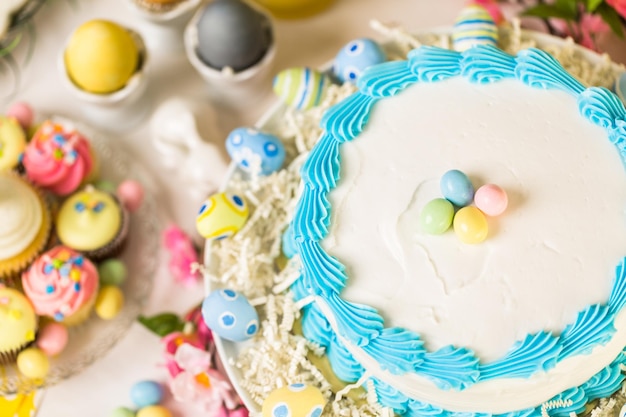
(492, 8)
(171, 343)
(585, 31)
(619, 6)
(204, 333)
(182, 255)
(200, 384)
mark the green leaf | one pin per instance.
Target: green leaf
(546, 11)
(610, 16)
(567, 6)
(162, 324)
(592, 5)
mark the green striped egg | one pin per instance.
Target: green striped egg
(302, 88)
(474, 26)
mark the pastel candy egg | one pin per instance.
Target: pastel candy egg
(23, 113)
(470, 225)
(295, 400)
(288, 242)
(52, 339)
(221, 216)
(255, 152)
(112, 272)
(130, 193)
(121, 412)
(301, 88)
(457, 188)
(146, 393)
(154, 411)
(491, 199)
(474, 26)
(33, 363)
(355, 56)
(229, 314)
(436, 216)
(109, 302)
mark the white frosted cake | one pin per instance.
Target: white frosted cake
(529, 320)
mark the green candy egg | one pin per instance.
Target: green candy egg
(436, 216)
(112, 272)
(122, 412)
(107, 186)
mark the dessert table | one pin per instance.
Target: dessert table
(301, 42)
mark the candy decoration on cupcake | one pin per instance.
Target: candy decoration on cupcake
(355, 56)
(230, 315)
(221, 216)
(301, 88)
(295, 400)
(257, 153)
(58, 158)
(474, 26)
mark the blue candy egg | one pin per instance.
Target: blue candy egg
(255, 152)
(357, 55)
(289, 242)
(146, 393)
(457, 188)
(230, 315)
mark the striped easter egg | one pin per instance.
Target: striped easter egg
(474, 26)
(302, 88)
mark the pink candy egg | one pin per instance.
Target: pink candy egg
(52, 339)
(130, 193)
(23, 113)
(491, 199)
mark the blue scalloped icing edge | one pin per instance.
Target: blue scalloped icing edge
(323, 275)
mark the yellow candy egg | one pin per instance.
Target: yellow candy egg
(154, 411)
(221, 216)
(470, 225)
(101, 56)
(295, 400)
(33, 363)
(110, 302)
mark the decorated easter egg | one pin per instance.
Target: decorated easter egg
(230, 315)
(289, 242)
(491, 199)
(52, 339)
(457, 188)
(101, 57)
(302, 88)
(232, 34)
(109, 302)
(33, 363)
(154, 411)
(121, 412)
(112, 272)
(255, 152)
(436, 216)
(354, 57)
(221, 216)
(146, 393)
(474, 26)
(470, 225)
(295, 400)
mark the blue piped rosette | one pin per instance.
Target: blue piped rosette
(341, 326)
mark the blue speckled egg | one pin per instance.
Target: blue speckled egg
(302, 88)
(229, 314)
(474, 26)
(255, 152)
(355, 56)
(146, 393)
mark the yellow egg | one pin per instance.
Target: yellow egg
(33, 363)
(295, 400)
(221, 215)
(154, 411)
(101, 56)
(470, 225)
(109, 302)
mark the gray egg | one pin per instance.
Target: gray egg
(232, 34)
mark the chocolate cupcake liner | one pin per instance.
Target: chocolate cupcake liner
(116, 246)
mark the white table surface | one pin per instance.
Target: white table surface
(312, 41)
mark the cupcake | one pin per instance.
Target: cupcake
(25, 225)
(93, 222)
(18, 324)
(12, 143)
(62, 284)
(58, 158)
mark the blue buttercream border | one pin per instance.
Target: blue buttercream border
(398, 350)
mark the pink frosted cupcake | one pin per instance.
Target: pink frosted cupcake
(58, 158)
(62, 284)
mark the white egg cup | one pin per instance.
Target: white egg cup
(117, 111)
(225, 86)
(164, 29)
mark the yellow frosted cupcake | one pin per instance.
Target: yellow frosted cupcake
(93, 222)
(12, 143)
(25, 225)
(18, 324)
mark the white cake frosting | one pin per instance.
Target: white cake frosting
(21, 214)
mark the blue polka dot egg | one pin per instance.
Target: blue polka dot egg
(255, 152)
(230, 315)
(354, 57)
(295, 400)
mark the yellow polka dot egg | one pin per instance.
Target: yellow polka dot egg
(221, 216)
(295, 400)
